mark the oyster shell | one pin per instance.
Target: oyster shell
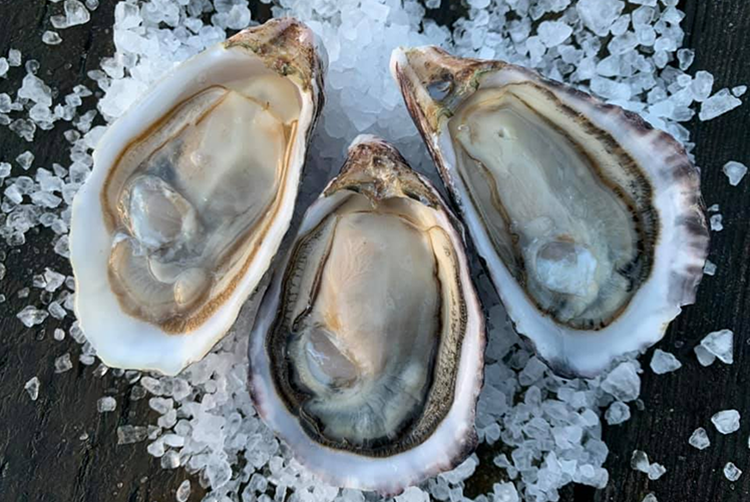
(589, 221)
(192, 190)
(367, 352)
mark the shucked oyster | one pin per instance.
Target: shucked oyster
(590, 221)
(367, 352)
(191, 193)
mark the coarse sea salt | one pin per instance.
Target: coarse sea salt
(735, 171)
(732, 472)
(699, 439)
(726, 421)
(550, 426)
(664, 362)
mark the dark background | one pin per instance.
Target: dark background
(42, 458)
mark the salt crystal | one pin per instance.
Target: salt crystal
(705, 358)
(709, 268)
(51, 38)
(599, 15)
(183, 491)
(731, 472)
(128, 434)
(32, 387)
(505, 492)
(170, 460)
(735, 171)
(685, 58)
(617, 413)
(92, 4)
(702, 85)
(59, 334)
(56, 310)
(412, 494)
(720, 344)
(713, 208)
(738, 91)
(664, 362)
(4, 170)
(53, 280)
(31, 316)
(639, 461)
(718, 104)
(716, 222)
(25, 160)
(699, 439)
(432, 4)
(3, 67)
(649, 497)
(76, 13)
(14, 57)
(63, 364)
(553, 33)
(161, 405)
(623, 382)
(655, 471)
(726, 421)
(106, 404)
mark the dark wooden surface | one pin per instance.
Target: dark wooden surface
(42, 457)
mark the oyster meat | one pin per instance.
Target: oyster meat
(192, 190)
(589, 221)
(367, 352)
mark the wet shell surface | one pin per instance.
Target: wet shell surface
(366, 356)
(192, 190)
(590, 222)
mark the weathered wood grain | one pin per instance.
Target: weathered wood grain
(42, 457)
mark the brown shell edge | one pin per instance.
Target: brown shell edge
(288, 47)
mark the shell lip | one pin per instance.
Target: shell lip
(662, 159)
(398, 472)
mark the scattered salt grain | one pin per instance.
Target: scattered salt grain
(170, 460)
(14, 57)
(32, 387)
(59, 334)
(128, 434)
(738, 91)
(726, 421)
(639, 461)
(735, 171)
(553, 33)
(718, 104)
(716, 222)
(664, 362)
(3, 67)
(623, 382)
(32, 316)
(617, 413)
(63, 364)
(709, 268)
(650, 497)
(106, 404)
(731, 472)
(25, 160)
(699, 439)
(720, 344)
(51, 38)
(183, 491)
(655, 471)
